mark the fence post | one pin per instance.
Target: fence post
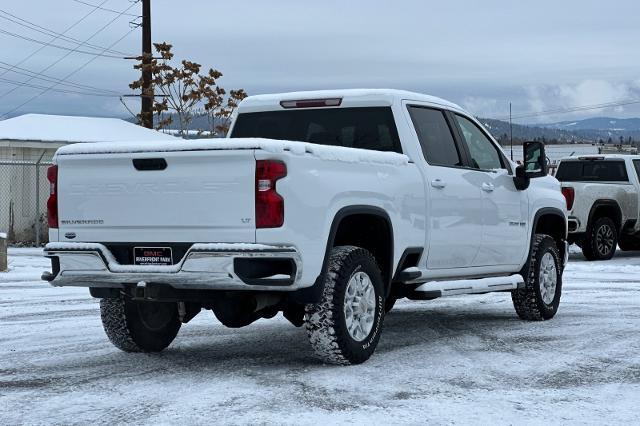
(3, 252)
(37, 221)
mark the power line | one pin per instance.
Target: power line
(43, 30)
(37, 86)
(65, 78)
(579, 108)
(40, 76)
(104, 8)
(573, 109)
(69, 28)
(57, 46)
(70, 52)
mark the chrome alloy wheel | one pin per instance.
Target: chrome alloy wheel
(359, 306)
(604, 239)
(548, 276)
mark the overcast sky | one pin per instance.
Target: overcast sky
(540, 55)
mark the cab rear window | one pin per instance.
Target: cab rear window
(366, 127)
(592, 171)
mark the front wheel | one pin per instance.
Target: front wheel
(540, 297)
(344, 326)
(136, 326)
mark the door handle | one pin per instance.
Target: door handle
(488, 187)
(438, 183)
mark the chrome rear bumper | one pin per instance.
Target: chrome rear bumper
(203, 267)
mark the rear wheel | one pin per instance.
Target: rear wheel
(601, 240)
(344, 326)
(135, 326)
(540, 297)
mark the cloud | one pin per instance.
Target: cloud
(586, 93)
(536, 98)
(591, 92)
(483, 107)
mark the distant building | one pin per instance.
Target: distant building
(618, 149)
(27, 145)
(556, 152)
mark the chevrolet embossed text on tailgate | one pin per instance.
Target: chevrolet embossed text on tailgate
(198, 196)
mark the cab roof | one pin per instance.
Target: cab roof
(349, 98)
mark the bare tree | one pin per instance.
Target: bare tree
(217, 111)
(182, 89)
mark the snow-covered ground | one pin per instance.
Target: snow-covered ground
(457, 360)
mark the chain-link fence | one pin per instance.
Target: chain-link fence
(24, 190)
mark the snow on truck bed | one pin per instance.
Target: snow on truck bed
(324, 152)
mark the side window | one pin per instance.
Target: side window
(436, 140)
(484, 154)
(636, 165)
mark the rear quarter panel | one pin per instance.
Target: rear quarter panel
(588, 193)
(315, 189)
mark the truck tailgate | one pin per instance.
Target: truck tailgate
(200, 196)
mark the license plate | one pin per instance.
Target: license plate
(152, 256)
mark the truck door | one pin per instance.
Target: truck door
(454, 215)
(504, 208)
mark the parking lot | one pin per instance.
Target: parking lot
(464, 359)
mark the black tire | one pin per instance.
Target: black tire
(601, 240)
(629, 243)
(134, 326)
(326, 321)
(389, 303)
(528, 301)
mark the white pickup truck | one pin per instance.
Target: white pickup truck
(602, 198)
(326, 206)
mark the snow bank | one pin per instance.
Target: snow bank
(324, 152)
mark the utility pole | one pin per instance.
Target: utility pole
(146, 112)
(510, 131)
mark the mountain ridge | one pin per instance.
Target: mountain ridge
(597, 123)
(590, 130)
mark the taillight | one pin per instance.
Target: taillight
(569, 195)
(269, 204)
(52, 202)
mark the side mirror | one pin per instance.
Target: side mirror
(535, 165)
(535, 160)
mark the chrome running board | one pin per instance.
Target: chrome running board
(435, 289)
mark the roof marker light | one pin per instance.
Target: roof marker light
(311, 103)
(591, 158)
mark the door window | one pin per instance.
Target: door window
(483, 153)
(438, 146)
(636, 165)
